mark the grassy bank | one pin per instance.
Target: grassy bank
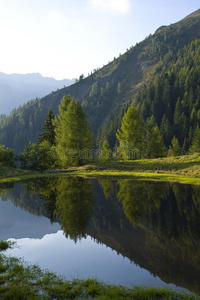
(183, 169)
(8, 172)
(20, 281)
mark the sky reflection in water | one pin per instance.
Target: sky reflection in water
(83, 259)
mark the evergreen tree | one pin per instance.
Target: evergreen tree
(105, 152)
(73, 135)
(130, 136)
(177, 116)
(165, 129)
(174, 149)
(185, 146)
(59, 120)
(156, 144)
(109, 130)
(49, 133)
(195, 147)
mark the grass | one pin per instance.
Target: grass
(183, 169)
(8, 172)
(20, 281)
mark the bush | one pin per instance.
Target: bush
(7, 156)
(38, 157)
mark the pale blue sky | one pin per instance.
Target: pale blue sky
(65, 38)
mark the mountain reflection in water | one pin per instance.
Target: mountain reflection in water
(153, 224)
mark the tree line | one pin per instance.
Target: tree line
(67, 140)
(162, 120)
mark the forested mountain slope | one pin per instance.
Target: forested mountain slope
(113, 86)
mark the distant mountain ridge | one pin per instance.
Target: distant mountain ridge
(16, 89)
(108, 89)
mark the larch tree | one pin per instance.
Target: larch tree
(59, 120)
(130, 137)
(105, 153)
(74, 139)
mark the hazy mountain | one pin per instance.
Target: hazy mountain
(109, 88)
(16, 89)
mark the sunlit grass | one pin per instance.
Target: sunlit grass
(183, 169)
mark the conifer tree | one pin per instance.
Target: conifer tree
(174, 149)
(59, 120)
(49, 133)
(165, 129)
(130, 136)
(195, 147)
(73, 135)
(156, 144)
(105, 152)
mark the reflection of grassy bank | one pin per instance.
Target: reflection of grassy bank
(184, 169)
(19, 281)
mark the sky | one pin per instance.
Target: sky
(67, 38)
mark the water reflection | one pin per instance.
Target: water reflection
(155, 225)
(74, 206)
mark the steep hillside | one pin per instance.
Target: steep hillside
(107, 89)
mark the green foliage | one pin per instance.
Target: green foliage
(73, 135)
(105, 153)
(38, 157)
(173, 97)
(154, 140)
(130, 136)
(7, 156)
(174, 149)
(94, 90)
(4, 245)
(165, 129)
(109, 129)
(22, 125)
(49, 129)
(156, 144)
(195, 147)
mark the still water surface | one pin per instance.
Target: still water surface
(122, 231)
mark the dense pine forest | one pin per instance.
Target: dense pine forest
(146, 100)
(171, 101)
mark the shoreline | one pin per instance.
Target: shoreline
(182, 169)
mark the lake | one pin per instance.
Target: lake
(122, 231)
